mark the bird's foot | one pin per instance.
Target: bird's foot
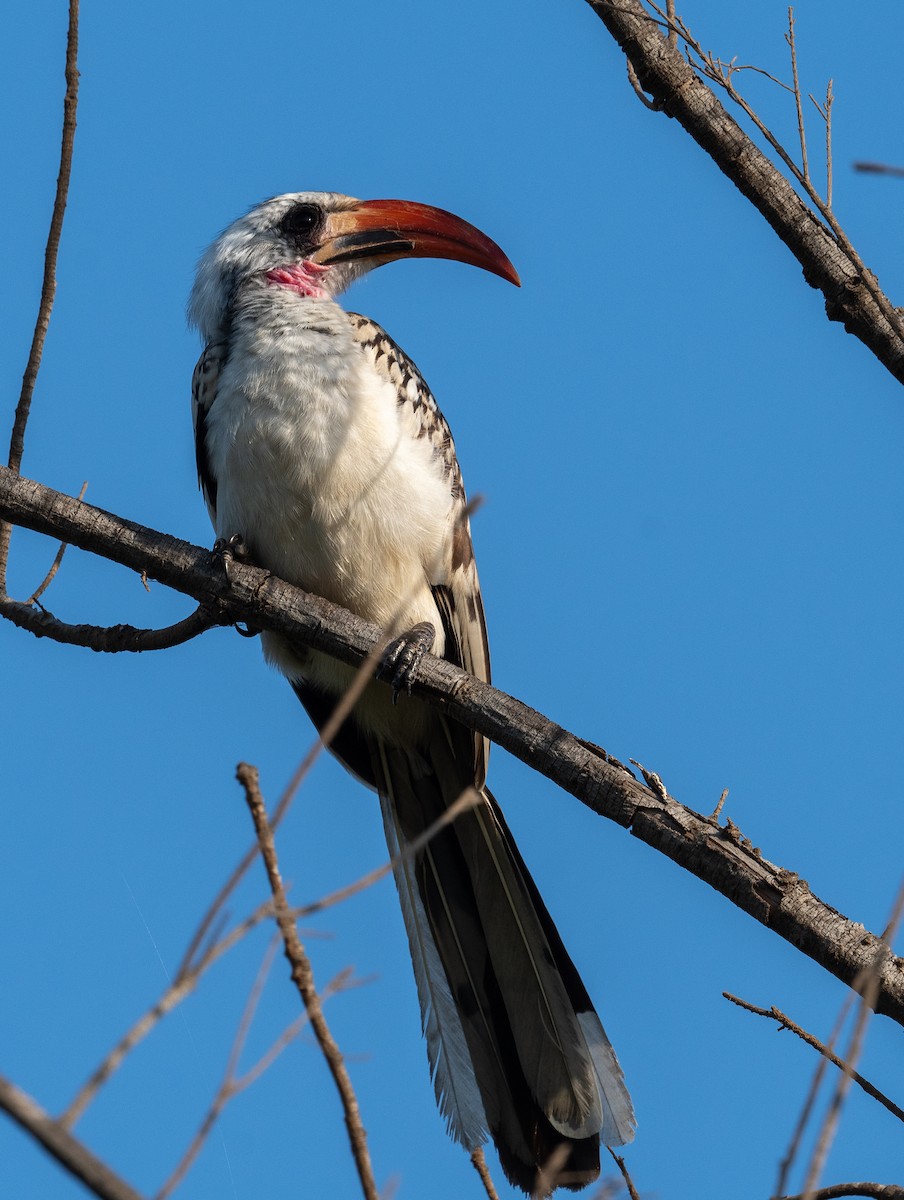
(230, 550)
(232, 547)
(403, 655)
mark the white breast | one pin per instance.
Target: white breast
(314, 468)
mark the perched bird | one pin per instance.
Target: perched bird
(320, 446)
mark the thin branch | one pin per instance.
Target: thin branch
(830, 100)
(798, 100)
(479, 1163)
(809, 1105)
(68, 1151)
(303, 977)
(774, 896)
(232, 1083)
(868, 991)
(547, 1179)
(827, 256)
(110, 639)
(48, 287)
(183, 984)
(785, 1022)
(629, 1182)
(713, 69)
(878, 1191)
(55, 565)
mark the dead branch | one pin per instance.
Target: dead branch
(111, 639)
(774, 896)
(867, 986)
(629, 1182)
(828, 259)
(48, 286)
(68, 1151)
(785, 1022)
(479, 1163)
(303, 977)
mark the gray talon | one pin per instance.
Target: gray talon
(403, 655)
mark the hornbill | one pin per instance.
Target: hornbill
(322, 450)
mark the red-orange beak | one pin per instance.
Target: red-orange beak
(385, 230)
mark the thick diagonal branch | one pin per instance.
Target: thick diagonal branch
(775, 897)
(851, 292)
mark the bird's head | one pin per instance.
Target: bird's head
(317, 243)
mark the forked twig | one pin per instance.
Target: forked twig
(717, 72)
(233, 1083)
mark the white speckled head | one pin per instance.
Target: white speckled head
(253, 245)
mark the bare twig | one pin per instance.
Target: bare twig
(638, 90)
(233, 1083)
(866, 277)
(717, 810)
(183, 984)
(227, 1088)
(825, 111)
(479, 1162)
(303, 977)
(809, 1104)
(110, 639)
(828, 258)
(549, 1173)
(48, 287)
(68, 1151)
(55, 565)
(629, 1182)
(798, 101)
(868, 992)
(468, 798)
(785, 1021)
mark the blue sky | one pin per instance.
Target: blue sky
(689, 547)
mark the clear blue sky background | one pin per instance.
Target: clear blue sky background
(690, 551)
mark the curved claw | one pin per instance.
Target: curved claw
(403, 655)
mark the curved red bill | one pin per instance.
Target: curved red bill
(386, 230)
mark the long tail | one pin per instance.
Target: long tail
(515, 1046)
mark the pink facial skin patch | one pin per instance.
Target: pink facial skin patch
(301, 278)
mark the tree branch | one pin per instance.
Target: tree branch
(785, 1022)
(718, 855)
(112, 639)
(48, 287)
(303, 977)
(829, 263)
(68, 1151)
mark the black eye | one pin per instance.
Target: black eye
(301, 221)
